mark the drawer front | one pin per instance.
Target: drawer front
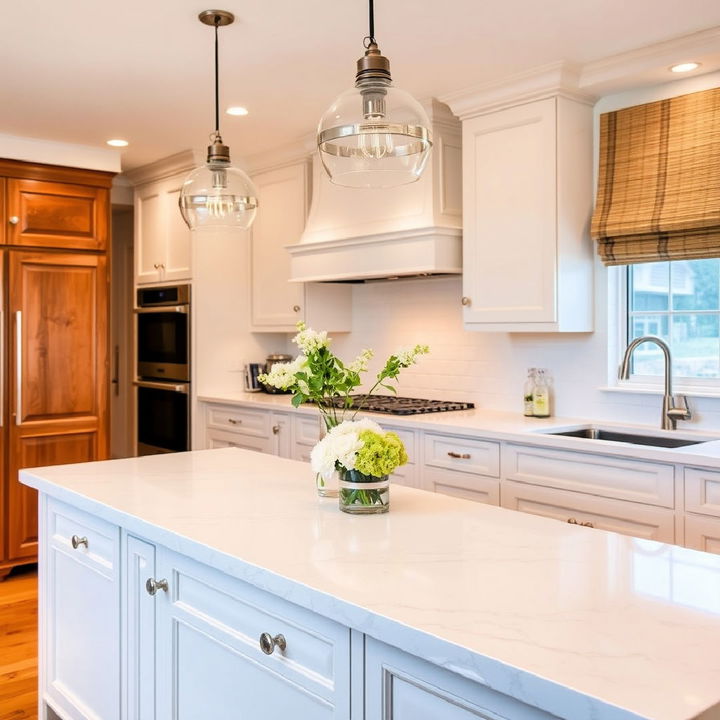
(244, 421)
(306, 429)
(462, 485)
(102, 539)
(612, 477)
(616, 515)
(224, 439)
(702, 533)
(317, 651)
(462, 455)
(702, 491)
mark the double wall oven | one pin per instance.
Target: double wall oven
(162, 345)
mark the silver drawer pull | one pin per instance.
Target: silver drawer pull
(268, 643)
(77, 541)
(573, 521)
(152, 585)
(233, 421)
(463, 456)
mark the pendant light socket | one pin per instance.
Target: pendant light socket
(217, 151)
(372, 66)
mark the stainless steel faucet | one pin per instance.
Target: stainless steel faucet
(674, 408)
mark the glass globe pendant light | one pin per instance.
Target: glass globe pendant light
(374, 135)
(218, 195)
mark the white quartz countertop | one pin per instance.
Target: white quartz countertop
(583, 624)
(513, 427)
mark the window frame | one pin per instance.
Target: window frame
(647, 383)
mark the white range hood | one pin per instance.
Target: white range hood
(362, 234)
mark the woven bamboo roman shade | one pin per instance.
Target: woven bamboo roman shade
(659, 183)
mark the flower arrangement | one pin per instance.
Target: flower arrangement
(360, 452)
(320, 376)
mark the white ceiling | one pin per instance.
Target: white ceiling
(83, 71)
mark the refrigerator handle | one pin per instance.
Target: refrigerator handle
(18, 367)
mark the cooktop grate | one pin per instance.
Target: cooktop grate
(392, 405)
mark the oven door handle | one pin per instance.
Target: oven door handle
(183, 309)
(172, 387)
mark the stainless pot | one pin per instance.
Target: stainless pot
(269, 362)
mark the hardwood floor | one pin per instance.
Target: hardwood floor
(18, 645)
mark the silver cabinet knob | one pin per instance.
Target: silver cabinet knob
(268, 643)
(466, 301)
(156, 266)
(152, 585)
(77, 541)
(276, 429)
(13, 219)
(296, 308)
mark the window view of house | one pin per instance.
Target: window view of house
(679, 302)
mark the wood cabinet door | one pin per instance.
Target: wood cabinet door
(58, 374)
(56, 215)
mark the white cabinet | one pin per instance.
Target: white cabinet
(278, 304)
(461, 466)
(139, 630)
(80, 634)
(162, 239)
(249, 429)
(399, 686)
(527, 199)
(209, 632)
(702, 533)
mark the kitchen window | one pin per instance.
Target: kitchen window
(678, 301)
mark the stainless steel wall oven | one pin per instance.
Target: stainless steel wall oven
(163, 369)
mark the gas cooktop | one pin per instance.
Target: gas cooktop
(402, 406)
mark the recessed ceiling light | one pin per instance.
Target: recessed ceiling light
(685, 67)
(236, 110)
(117, 142)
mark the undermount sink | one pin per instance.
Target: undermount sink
(633, 438)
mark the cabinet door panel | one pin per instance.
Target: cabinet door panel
(282, 195)
(177, 256)
(57, 362)
(400, 686)
(139, 649)
(702, 533)
(57, 215)
(150, 235)
(82, 626)
(509, 257)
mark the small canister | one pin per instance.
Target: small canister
(269, 362)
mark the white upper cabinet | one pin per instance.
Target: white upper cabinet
(527, 200)
(277, 303)
(162, 239)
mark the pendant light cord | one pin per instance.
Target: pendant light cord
(217, 81)
(370, 37)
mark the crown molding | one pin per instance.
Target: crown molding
(299, 150)
(165, 167)
(650, 64)
(559, 78)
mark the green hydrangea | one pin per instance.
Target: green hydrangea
(380, 454)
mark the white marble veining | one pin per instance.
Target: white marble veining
(582, 624)
(513, 427)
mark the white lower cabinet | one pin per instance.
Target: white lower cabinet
(590, 511)
(702, 533)
(80, 633)
(399, 686)
(209, 632)
(249, 429)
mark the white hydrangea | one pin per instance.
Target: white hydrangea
(310, 341)
(355, 427)
(282, 375)
(360, 363)
(335, 448)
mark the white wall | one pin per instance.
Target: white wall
(489, 368)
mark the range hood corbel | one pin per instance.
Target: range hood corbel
(413, 230)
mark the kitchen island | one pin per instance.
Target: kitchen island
(216, 584)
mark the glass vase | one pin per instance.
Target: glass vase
(329, 488)
(364, 494)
